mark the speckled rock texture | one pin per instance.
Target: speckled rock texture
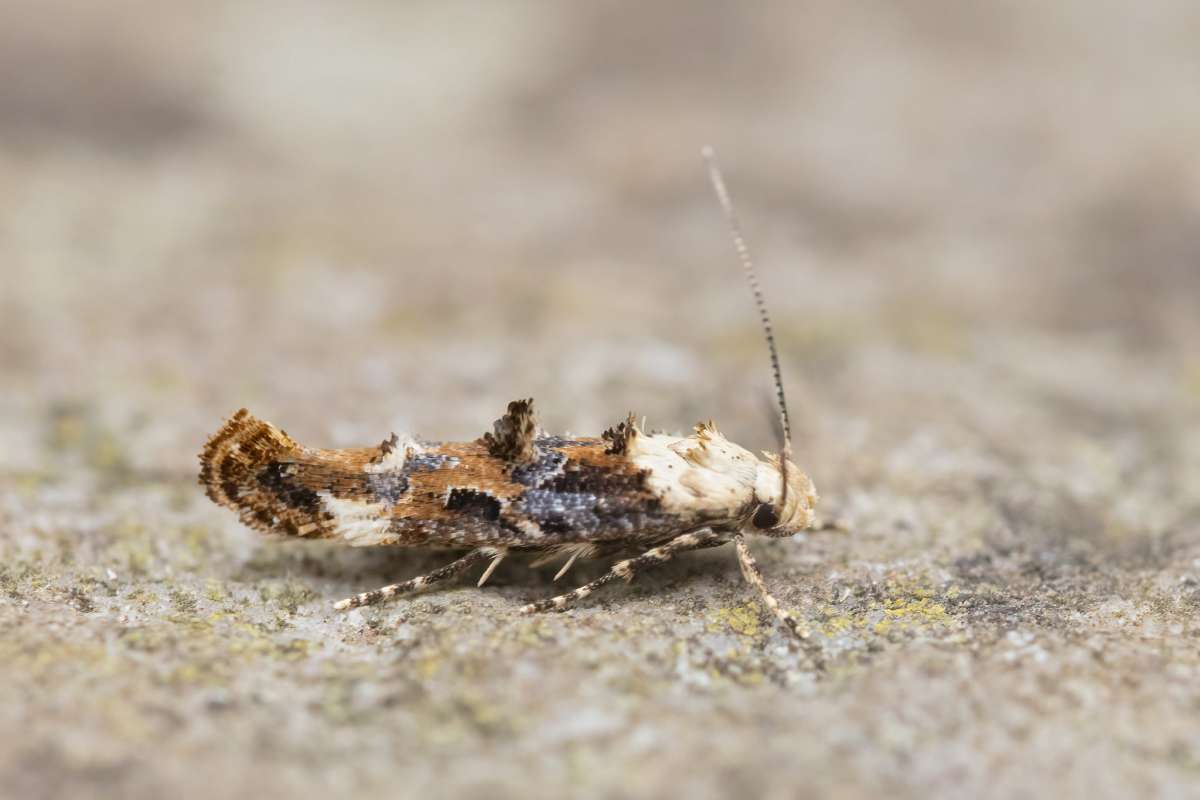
(979, 229)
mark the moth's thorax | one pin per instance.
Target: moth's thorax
(703, 475)
(707, 476)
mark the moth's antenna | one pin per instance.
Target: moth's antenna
(743, 252)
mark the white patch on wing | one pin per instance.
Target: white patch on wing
(702, 474)
(395, 460)
(359, 523)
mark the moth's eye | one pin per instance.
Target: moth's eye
(765, 517)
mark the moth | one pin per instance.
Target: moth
(519, 489)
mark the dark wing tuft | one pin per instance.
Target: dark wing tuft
(619, 437)
(514, 434)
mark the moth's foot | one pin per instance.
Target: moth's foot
(364, 599)
(559, 603)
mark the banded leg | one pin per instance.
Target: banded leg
(438, 575)
(629, 567)
(752, 574)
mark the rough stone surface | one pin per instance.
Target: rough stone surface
(979, 228)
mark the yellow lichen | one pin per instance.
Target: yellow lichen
(909, 604)
(183, 601)
(916, 614)
(214, 591)
(744, 620)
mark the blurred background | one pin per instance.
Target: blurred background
(978, 227)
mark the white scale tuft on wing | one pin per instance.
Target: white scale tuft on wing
(357, 522)
(704, 474)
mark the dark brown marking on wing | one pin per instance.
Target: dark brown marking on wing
(277, 477)
(474, 503)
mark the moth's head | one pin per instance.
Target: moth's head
(770, 517)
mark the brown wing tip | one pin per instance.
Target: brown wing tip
(234, 454)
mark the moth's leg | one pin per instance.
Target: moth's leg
(754, 577)
(448, 571)
(567, 566)
(496, 557)
(631, 566)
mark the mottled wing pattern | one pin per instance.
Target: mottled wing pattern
(514, 487)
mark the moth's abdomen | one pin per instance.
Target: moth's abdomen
(247, 466)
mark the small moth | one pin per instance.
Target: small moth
(520, 489)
